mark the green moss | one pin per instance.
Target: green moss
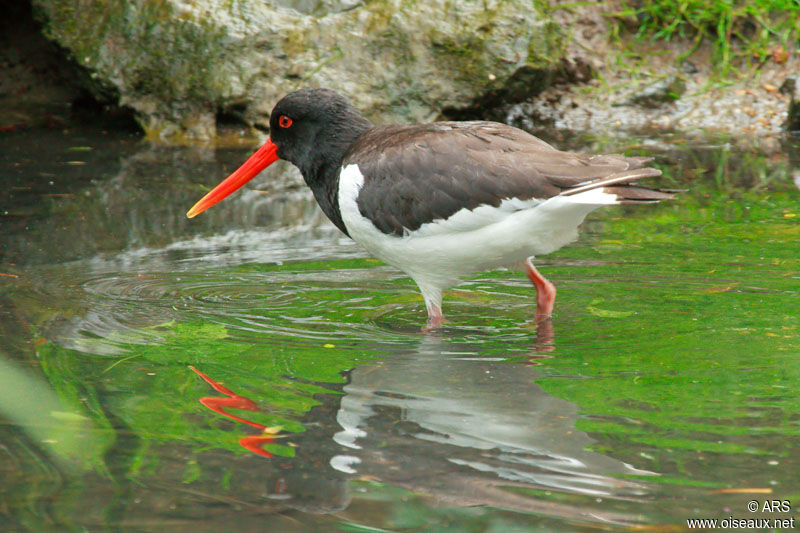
(294, 42)
(380, 16)
(80, 30)
(160, 53)
(465, 55)
(547, 48)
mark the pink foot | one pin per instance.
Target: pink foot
(545, 293)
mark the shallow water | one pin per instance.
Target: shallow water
(253, 369)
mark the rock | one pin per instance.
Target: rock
(792, 122)
(662, 91)
(687, 67)
(37, 85)
(587, 30)
(789, 86)
(178, 64)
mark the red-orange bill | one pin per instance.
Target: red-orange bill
(257, 162)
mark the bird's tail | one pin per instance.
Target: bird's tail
(620, 188)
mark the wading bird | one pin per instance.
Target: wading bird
(443, 200)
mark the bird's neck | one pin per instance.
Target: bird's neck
(322, 173)
(326, 191)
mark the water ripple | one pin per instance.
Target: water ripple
(122, 308)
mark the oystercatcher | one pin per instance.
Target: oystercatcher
(443, 200)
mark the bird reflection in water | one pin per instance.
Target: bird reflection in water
(465, 429)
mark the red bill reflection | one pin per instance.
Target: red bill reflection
(252, 443)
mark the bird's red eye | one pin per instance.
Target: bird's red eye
(284, 121)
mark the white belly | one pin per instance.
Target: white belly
(440, 252)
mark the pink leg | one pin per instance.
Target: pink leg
(433, 303)
(434, 317)
(545, 292)
(545, 339)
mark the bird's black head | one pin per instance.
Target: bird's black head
(313, 128)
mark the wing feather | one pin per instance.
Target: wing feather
(421, 173)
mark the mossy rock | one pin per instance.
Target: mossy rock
(178, 65)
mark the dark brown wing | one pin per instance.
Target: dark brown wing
(417, 174)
